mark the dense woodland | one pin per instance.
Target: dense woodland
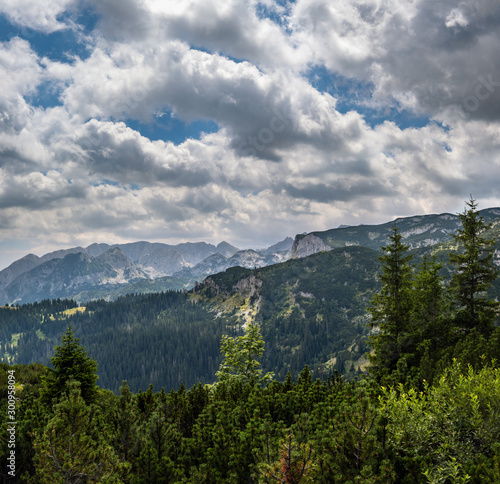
(171, 338)
(427, 411)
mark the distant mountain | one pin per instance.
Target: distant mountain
(227, 250)
(75, 272)
(250, 259)
(17, 268)
(312, 310)
(107, 271)
(418, 231)
(281, 247)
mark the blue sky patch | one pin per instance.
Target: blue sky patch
(263, 11)
(61, 46)
(47, 95)
(353, 95)
(171, 129)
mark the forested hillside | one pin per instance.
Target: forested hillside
(425, 412)
(311, 310)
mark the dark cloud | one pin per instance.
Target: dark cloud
(39, 191)
(115, 152)
(14, 162)
(345, 191)
(123, 20)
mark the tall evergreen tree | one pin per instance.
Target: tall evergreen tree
(475, 272)
(70, 362)
(429, 328)
(391, 307)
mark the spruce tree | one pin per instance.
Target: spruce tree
(70, 362)
(429, 324)
(391, 307)
(475, 272)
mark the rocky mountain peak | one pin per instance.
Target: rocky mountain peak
(116, 258)
(226, 249)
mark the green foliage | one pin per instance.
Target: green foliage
(304, 431)
(421, 322)
(475, 272)
(240, 361)
(391, 307)
(310, 311)
(163, 339)
(249, 427)
(70, 362)
(73, 447)
(294, 466)
(30, 413)
(443, 432)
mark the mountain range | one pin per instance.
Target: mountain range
(108, 271)
(417, 232)
(312, 309)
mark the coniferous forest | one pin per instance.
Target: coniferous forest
(426, 410)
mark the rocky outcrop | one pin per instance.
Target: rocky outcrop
(283, 246)
(307, 245)
(250, 259)
(249, 286)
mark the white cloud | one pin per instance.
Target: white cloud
(284, 159)
(42, 16)
(456, 18)
(424, 55)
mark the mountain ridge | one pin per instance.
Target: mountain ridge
(417, 231)
(311, 310)
(122, 268)
(119, 268)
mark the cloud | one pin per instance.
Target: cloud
(254, 108)
(426, 56)
(37, 191)
(118, 153)
(232, 28)
(286, 156)
(42, 16)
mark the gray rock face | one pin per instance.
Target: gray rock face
(17, 268)
(163, 261)
(249, 259)
(308, 245)
(227, 250)
(417, 232)
(283, 246)
(211, 265)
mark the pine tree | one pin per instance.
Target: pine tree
(475, 272)
(70, 362)
(73, 448)
(294, 466)
(126, 418)
(391, 308)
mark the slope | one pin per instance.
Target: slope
(311, 311)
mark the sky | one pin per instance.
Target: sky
(240, 120)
